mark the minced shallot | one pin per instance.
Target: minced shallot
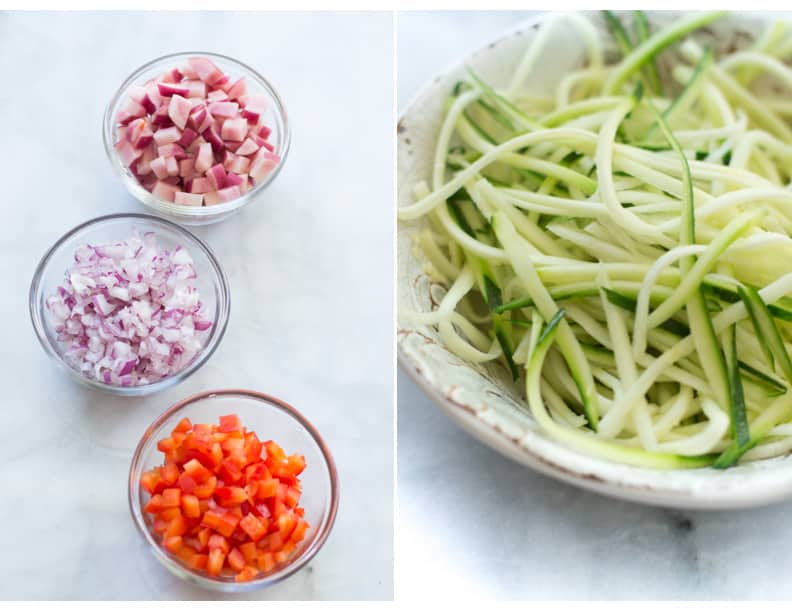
(129, 313)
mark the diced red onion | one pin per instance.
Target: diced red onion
(129, 313)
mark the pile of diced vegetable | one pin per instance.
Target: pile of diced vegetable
(225, 502)
(622, 245)
(195, 135)
(128, 313)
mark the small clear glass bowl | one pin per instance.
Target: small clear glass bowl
(276, 118)
(211, 284)
(272, 419)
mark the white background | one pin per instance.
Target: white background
(310, 266)
(474, 524)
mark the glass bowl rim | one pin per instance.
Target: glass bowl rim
(223, 307)
(194, 212)
(208, 581)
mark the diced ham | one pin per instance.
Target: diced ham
(213, 138)
(164, 191)
(127, 152)
(237, 89)
(217, 176)
(171, 150)
(240, 165)
(234, 129)
(167, 135)
(204, 159)
(187, 168)
(201, 185)
(224, 109)
(194, 135)
(187, 137)
(195, 89)
(248, 148)
(179, 110)
(217, 95)
(211, 198)
(188, 199)
(159, 167)
(172, 89)
(257, 103)
(172, 166)
(205, 70)
(229, 193)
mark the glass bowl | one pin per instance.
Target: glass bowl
(270, 418)
(275, 117)
(210, 282)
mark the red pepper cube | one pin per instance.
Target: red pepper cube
(229, 497)
(266, 488)
(247, 573)
(229, 471)
(249, 551)
(149, 480)
(254, 527)
(196, 470)
(296, 464)
(171, 498)
(299, 531)
(177, 527)
(227, 524)
(214, 564)
(183, 426)
(190, 506)
(172, 544)
(206, 489)
(274, 452)
(236, 560)
(292, 497)
(169, 473)
(218, 541)
(229, 422)
(154, 505)
(266, 561)
(168, 514)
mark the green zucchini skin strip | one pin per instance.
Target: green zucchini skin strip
(737, 413)
(642, 34)
(702, 330)
(568, 343)
(654, 45)
(585, 442)
(766, 331)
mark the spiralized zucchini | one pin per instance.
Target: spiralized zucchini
(623, 246)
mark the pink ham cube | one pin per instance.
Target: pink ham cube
(234, 129)
(262, 165)
(164, 191)
(204, 159)
(238, 89)
(127, 152)
(211, 198)
(172, 89)
(167, 135)
(257, 103)
(195, 89)
(240, 165)
(188, 199)
(179, 111)
(217, 95)
(248, 147)
(224, 109)
(159, 167)
(205, 69)
(187, 169)
(201, 185)
(217, 176)
(229, 193)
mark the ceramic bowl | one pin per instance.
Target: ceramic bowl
(481, 399)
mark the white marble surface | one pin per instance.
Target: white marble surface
(310, 273)
(473, 524)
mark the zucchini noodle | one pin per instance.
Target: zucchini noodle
(622, 245)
